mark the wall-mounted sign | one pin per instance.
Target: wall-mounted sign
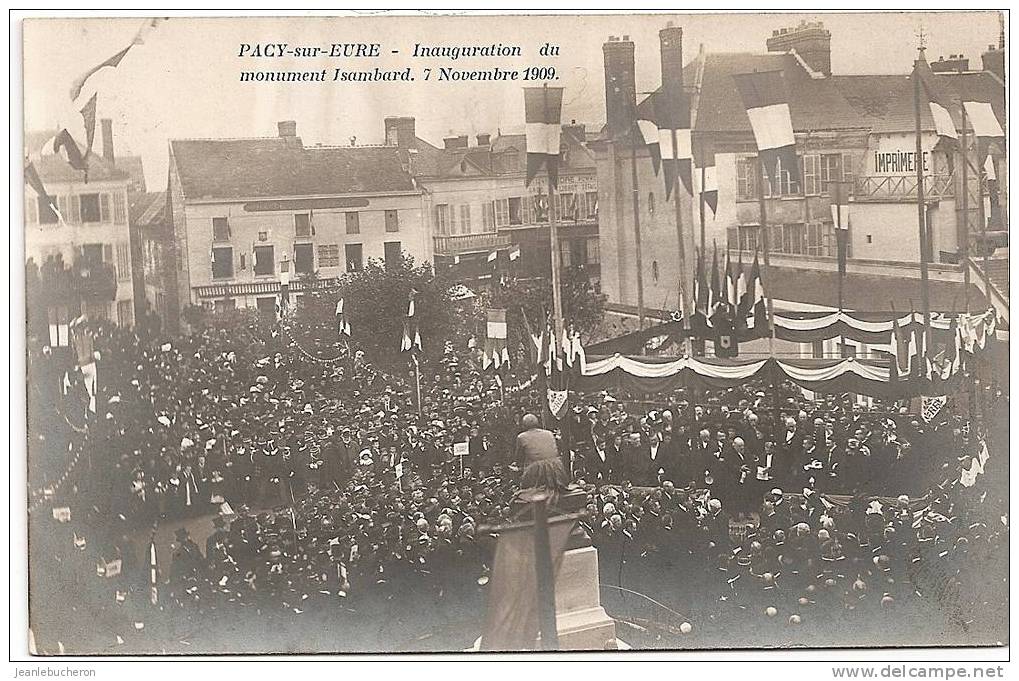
(898, 161)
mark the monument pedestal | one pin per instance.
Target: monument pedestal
(581, 621)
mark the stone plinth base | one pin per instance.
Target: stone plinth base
(581, 621)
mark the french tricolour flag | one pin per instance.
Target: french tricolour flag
(543, 108)
(766, 99)
(649, 135)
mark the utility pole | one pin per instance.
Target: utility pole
(921, 208)
(965, 209)
(636, 219)
(683, 303)
(766, 274)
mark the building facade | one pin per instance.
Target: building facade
(80, 253)
(249, 213)
(857, 129)
(480, 212)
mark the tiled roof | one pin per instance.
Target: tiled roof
(146, 208)
(268, 167)
(53, 168)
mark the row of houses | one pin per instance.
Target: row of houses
(240, 215)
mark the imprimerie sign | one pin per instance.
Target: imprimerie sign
(898, 162)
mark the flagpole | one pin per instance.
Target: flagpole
(983, 223)
(704, 175)
(636, 224)
(921, 208)
(965, 209)
(767, 259)
(553, 231)
(417, 379)
(683, 303)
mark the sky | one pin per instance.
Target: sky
(184, 81)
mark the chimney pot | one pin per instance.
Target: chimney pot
(287, 128)
(626, 38)
(107, 132)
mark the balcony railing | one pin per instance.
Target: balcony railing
(902, 187)
(452, 244)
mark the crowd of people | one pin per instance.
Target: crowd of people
(331, 494)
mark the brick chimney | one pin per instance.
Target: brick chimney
(955, 62)
(459, 142)
(994, 61)
(288, 133)
(107, 132)
(811, 40)
(620, 88)
(671, 39)
(484, 139)
(400, 132)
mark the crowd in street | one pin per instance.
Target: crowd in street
(331, 494)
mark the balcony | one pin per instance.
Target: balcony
(458, 244)
(903, 187)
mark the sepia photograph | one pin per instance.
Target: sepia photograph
(476, 333)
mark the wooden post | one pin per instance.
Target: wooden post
(921, 211)
(683, 302)
(417, 380)
(965, 209)
(765, 275)
(636, 223)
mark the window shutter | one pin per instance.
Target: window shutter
(64, 206)
(107, 253)
(119, 212)
(104, 208)
(32, 210)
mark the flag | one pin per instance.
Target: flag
(728, 283)
(701, 292)
(88, 116)
(765, 97)
(754, 288)
(533, 341)
(710, 189)
(724, 329)
(715, 299)
(496, 352)
(741, 284)
(931, 406)
(981, 117)
(114, 61)
(840, 218)
(514, 253)
(411, 332)
(35, 182)
(513, 615)
(903, 349)
(153, 572)
(493, 256)
(543, 120)
(71, 152)
(342, 325)
(990, 173)
(674, 142)
(648, 133)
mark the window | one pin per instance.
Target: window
(465, 219)
(488, 216)
(593, 252)
(566, 256)
(787, 185)
(264, 260)
(515, 216)
(815, 239)
(502, 213)
(123, 262)
(746, 178)
(329, 255)
(304, 258)
(104, 208)
(793, 238)
(592, 204)
(392, 221)
(394, 253)
(810, 174)
(225, 305)
(651, 202)
(354, 256)
(353, 223)
(744, 237)
(124, 316)
(263, 236)
(565, 208)
(528, 211)
(442, 218)
(90, 211)
(119, 208)
(654, 270)
(244, 261)
(223, 262)
(220, 229)
(47, 216)
(831, 170)
(266, 307)
(302, 225)
(847, 170)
